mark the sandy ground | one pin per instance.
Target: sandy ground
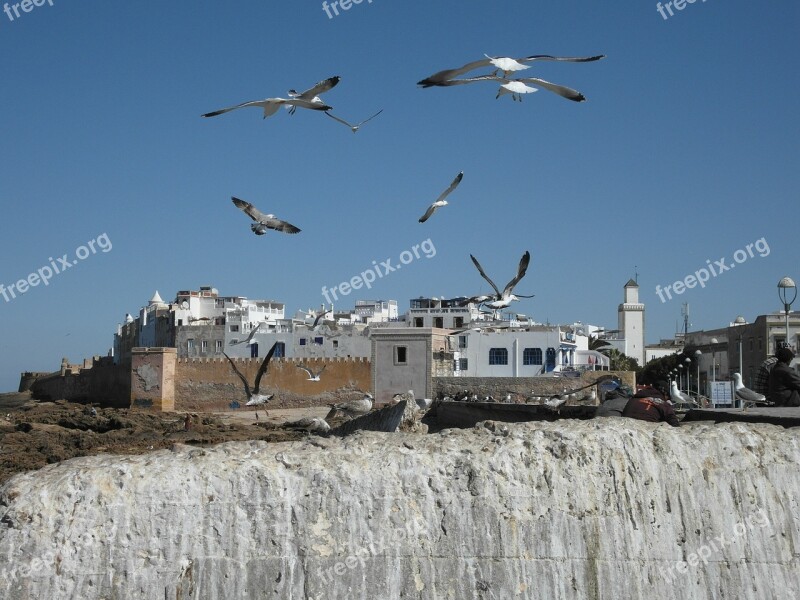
(34, 434)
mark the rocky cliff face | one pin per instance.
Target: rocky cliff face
(609, 508)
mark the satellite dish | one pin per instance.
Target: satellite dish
(184, 305)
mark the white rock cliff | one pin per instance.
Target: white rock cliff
(609, 508)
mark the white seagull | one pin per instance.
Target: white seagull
(517, 87)
(355, 127)
(254, 398)
(502, 63)
(352, 409)
(271, 106)
(249, 339)
(312, 94)
(440, 201)
(747, 396)
(262, 221)
(311, 375)
(678, 396)
(310, 424)
(504, 299)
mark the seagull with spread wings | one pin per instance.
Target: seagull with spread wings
(502, 64)
(262, 221)
(517, 87)
(312, 94)
(271, 106)
(355, 127)
(254, 398)
(311, 375)
(440, 201)
(504, 299)
(249, 339)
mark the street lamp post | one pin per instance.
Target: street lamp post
(680, 374)
(786, 288)
(688, 362)
(714, 341)
(697, 355)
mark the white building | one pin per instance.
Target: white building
(630, 316)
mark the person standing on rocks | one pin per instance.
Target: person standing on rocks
(784, 382)
(649, 404)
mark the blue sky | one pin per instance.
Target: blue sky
(685, 152)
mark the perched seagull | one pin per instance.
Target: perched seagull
(312, 94)
(424, 403)
(262, 221)
(440, 201)
(253, 397)
(310, 424)
(747, 396)
(502, 63)
(555, 402)
(354, 128)
(676, 395)
(352, 409)
(398, 398)
(311, 375)
(506, 298)
(271, 106)
(517, 87)
(249, 339)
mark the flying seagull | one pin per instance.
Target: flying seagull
(262, 221)
(312, 94)
(517, 87)
(504, 64)
(311, 375)
(352, 409)
(254, 398)
(319, 318)
(354, 128)
(747, 396)
(504, 299)
(440, 201)
(271, 106)
(249, 339)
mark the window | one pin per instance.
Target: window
(438, 322)
(460, 364)
(253, 350)
(190, 345)
(302, 341)
(532, 356)
(458, 322)
(280, 350)
(204, 346)
(218, 346)
(418, 322)
(335, 344)
(400, 355)
(234, 329)
(462, 342)
(551, 359)
(318, 341)
(180, 322)
(498, 356)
